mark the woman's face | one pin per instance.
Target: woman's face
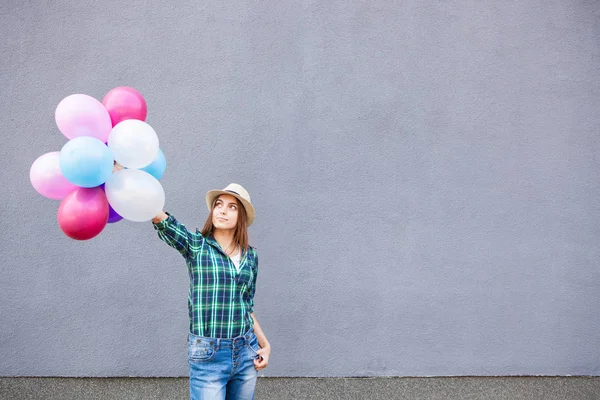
(225, 213)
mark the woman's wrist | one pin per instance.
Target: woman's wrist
(264, 345)
(160, 217)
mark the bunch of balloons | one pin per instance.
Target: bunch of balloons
(110, 167)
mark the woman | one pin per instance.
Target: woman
(226, 346)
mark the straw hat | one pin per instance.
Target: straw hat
(239, 193)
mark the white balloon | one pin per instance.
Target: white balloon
(135, 195)
(134, 143)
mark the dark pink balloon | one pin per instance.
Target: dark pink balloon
(83, 213)
(123, 103)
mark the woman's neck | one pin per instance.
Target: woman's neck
(225, 240)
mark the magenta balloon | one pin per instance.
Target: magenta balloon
(82, 115)
(123, 103)
(83, 213)
(46, 177)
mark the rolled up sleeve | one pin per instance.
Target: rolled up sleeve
(253, 289)
(175, 234)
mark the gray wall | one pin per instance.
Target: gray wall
(425, 176)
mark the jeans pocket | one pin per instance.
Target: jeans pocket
(201, 350)
(253, 345)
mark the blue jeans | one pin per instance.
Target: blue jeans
(222, 368)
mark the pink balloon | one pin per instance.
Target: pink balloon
(123, 103)
(83, 213)
(82, 115)
(47, 179)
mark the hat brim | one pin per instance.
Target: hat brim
(213, 194)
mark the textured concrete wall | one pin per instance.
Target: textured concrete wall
(425, 175)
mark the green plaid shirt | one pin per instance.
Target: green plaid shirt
(220, 299)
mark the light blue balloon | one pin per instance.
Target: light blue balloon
(86, 161)
(157, 167)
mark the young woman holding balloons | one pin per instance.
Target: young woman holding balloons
(110, 169)
(226, 345)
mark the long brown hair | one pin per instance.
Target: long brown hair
(240, 236)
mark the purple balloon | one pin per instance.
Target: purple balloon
(113, 216)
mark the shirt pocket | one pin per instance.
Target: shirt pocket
(246, 276)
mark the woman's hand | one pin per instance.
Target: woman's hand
(263, 360)
(117, 167)
(265, 347)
